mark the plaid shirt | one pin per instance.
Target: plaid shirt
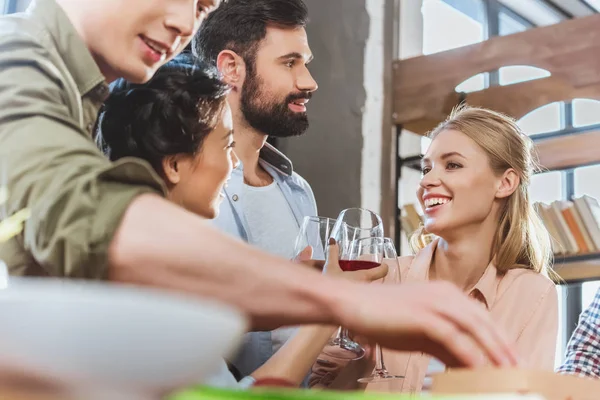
(583, 350)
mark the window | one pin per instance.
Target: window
(594, 4)
(544, 119)
(509, 24)
(451, 24)
(11, 6)
(586, 182)
(559, 355)
(537, 11)
(586, 112)
(520, 73)
(546, 187)
(473, 84)
(425, 142)
(448, 24)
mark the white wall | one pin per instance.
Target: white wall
(410, 45)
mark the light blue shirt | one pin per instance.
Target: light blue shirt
(258, 346)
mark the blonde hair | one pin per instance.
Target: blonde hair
(521, 240)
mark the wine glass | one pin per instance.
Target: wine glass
(312, 240)
(380, 373)
(352, 225)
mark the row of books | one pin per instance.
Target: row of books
(573, 225)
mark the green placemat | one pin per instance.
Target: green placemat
(294, 394)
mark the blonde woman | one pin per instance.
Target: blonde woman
(487, 240)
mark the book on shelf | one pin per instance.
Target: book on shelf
(544, 213)
(589, 210)
(574, 226)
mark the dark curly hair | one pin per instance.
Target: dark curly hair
(169, 115)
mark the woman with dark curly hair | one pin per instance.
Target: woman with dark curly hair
(181, 124)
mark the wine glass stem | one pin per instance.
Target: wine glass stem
(344, 335)
(379, 365)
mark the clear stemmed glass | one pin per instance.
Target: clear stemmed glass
(312, 240)
(351, 225)
(380, 373)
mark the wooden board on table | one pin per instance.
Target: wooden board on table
(548, 384)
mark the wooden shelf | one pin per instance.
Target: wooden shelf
(575, 149)
(578, 268)
(424, 87)
(569, 151)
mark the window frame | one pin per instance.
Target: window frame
(10, 6)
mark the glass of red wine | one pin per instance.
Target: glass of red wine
(380, 373)
(353, 225)
(312, 240)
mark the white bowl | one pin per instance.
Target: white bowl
(113, 335)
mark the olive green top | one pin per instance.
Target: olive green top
(51, 91)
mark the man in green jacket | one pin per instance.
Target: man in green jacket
(94, 219)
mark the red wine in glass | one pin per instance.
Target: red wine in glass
(357, 265)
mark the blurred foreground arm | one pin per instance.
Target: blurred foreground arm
(161, 245)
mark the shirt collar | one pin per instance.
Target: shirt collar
(487, 286)
(485, 289)
(271, 157)
(273, 161)
(70, 46)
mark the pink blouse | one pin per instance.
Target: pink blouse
(524, 303)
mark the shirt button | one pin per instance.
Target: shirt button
(235, 197)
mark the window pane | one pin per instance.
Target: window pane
(509, 25)
(588, 292)
(520, 73)
(586, 112)
(587, 182)
(544, 119)
(445, 27)
(560, 348)
(425, 142)
(19, 5)
(546, 187)
(536, 11)
(594, 3)
(473, 84)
